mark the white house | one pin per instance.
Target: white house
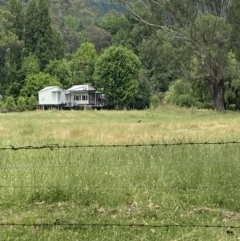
(77, 97)
(51, 96)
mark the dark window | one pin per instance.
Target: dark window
(76, 97)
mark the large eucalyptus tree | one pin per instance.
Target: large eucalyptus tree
(207, 27)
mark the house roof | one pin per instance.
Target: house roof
(49, 88)
(79, 88)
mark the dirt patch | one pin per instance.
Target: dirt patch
(225, 214)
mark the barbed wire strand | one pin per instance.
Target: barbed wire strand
(133, 225)
(58, 146)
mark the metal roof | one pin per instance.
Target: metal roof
(50, 87)
(79, 88)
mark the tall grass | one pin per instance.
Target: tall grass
(146, 185)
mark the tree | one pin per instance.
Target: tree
(112, 22)
(40, 38)
(61, 70)
(82, 63)
(21, 103)
(116, 72)
(30, 65)
(16, 9)
(181, 93)
(99, 37)
(57, 50)
(143, 96)
(200, 25)
(44, 35)
(9, 46)
(164, 59)
(31, 27)
(10, 104)
(71, 22)
(232, 86)
(72, 40)
(36, 82)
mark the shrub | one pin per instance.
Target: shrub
(181, 93)
(31, 103)
(21, 103)
(154, 101)
(9, 105)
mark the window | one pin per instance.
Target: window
(84, 97)
(76, 97)
(54, 96)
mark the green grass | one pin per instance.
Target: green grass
(145, 185)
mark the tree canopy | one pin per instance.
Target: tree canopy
(202, 26)
(116, 73)
(182, 47)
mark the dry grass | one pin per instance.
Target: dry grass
(154, 185)
(111, 127)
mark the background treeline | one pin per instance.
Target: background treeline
(68, 42)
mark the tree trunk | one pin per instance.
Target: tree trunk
(217, 93)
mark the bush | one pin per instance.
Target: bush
(31, 103)
(154, 101)
(181, 93)
(21, 103)
(9, 105)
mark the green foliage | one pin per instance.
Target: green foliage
(31, 27)
(21, 103)
(82, 63)
(116, 72)
(15, 7)
(31, 102)
(9, 49)
(70, 22)
(160, 56)
(40, 38)
(232, 86)
(50, 195)
(85, 53)
(61, 70)
(14, 89)
(30, 65)
(36, 82)
(9, 104)
(181, 93)
(188, 44)
(155, 101)
(99, 37)
(233, 18)
(113, 23)
(142, 99)
(57, 50)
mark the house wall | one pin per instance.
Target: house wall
(51, 97)
(80, 98)
(77, 98)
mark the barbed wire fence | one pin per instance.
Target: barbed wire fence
(130, 225)
(56, 146)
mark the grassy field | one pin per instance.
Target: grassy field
(153, 186)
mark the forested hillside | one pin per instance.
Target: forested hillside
(188, 51)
